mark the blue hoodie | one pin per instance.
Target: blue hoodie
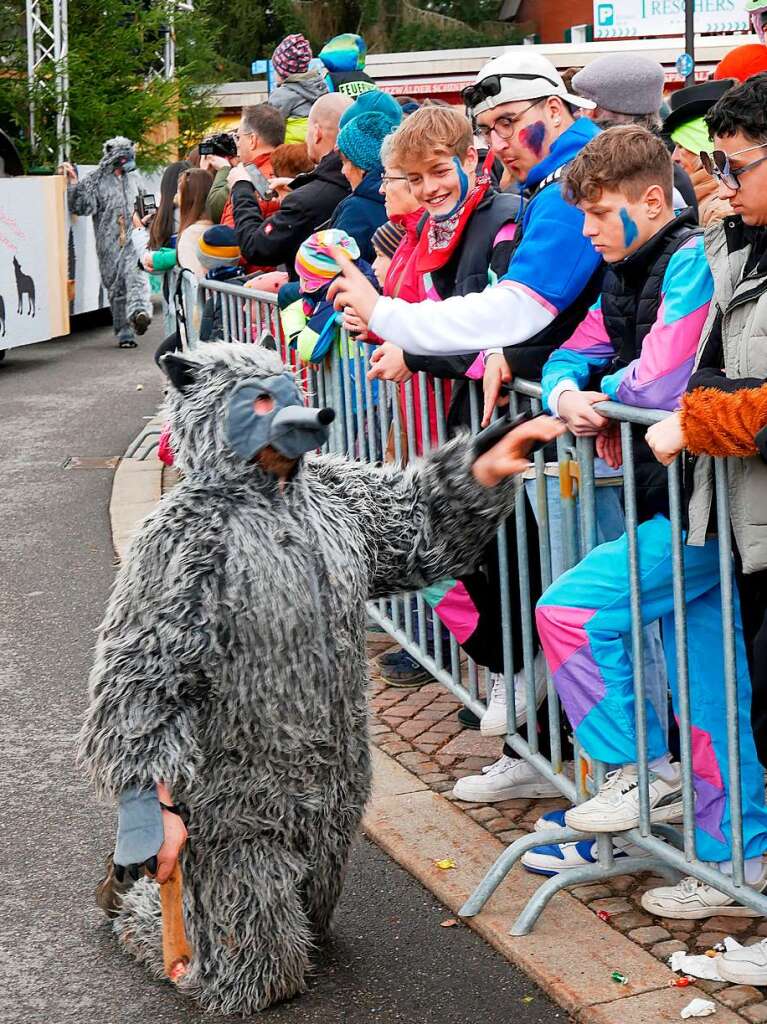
(362, 213)
(552, 227)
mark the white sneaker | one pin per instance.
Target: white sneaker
(493, 722)
(692, 900)
(747, 966)
(507, 779)
(615, 808)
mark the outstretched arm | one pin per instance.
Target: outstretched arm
(433, 519)
(82, 197)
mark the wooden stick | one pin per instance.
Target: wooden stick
(176, 953)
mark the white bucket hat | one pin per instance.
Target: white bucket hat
(521, 75)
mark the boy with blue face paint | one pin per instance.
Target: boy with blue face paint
(640, 341)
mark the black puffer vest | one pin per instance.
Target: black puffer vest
(527, 360)
(631, 298)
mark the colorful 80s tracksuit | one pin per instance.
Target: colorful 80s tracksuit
(584, 618)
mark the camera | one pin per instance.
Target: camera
(145, 204)
(222, 144)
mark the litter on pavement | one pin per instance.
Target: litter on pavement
(698, 1008)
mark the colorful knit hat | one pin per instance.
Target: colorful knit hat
(292, 56)
(218, 247)
(360, 140)
(373, 102)
(314, 264)
(742, 62)
(387, 238)
(346, 52)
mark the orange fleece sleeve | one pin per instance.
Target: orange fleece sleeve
(723, 423)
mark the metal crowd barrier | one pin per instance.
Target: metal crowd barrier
(398, 422)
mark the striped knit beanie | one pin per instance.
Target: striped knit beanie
(387, 238)
(314, 264)
(292, 56)
(218, 247)
(346, 52)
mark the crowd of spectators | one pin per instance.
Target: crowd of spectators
(552, 232)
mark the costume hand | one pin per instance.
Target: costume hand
(236, 174)
(352, 288)
(666, 439)
(511, 454)
(608, 445)
(576, 408)
(497, 373)
(71, 173)
(147, 261)
(388, 363)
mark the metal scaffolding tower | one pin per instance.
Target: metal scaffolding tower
(47, 53)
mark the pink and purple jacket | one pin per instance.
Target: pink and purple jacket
(657, 378)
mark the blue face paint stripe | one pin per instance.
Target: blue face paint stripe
(630, 230)
(463, 182)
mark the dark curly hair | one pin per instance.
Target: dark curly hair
(743, 109)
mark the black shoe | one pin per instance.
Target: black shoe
(141, 322)
(399, 668)
(109, 892)
(467, 718)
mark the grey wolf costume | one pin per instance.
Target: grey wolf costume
(110, 199)
(231, 665)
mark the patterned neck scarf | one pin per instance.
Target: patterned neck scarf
(441, 238)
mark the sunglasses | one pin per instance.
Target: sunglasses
(717, 164)
(491, 86)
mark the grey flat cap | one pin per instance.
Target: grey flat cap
(624, 83)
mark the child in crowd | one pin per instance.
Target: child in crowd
(310, 322)
(641, 338)
(386, 241)
(298, 85)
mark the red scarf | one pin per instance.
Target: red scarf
(440, 239)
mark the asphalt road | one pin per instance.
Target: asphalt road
(389, 961)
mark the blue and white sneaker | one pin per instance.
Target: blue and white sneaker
(554, 858)
(554, 819)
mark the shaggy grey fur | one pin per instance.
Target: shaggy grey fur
(231, 665)
(110, 200)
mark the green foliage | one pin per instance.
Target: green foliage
(114, 88)
(473, 12)
(414, 37)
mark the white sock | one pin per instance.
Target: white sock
(663, 766)
(752, 868)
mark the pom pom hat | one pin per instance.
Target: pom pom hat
(314, 264)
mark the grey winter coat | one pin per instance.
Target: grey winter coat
(296, 95)
(231, 665)
(743, 302)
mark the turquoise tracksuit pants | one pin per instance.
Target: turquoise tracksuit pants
(584, 622)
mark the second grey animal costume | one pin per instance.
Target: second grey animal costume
(231, 665)
(110, 199)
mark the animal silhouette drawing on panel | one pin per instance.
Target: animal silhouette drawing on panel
(24, 286)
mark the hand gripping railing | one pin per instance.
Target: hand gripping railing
(398, 422)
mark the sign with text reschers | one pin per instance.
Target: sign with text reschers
(625, 18)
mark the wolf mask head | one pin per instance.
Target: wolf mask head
(229, 402)
(118, 152)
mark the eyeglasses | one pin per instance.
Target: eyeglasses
(505, 125)
(386, 180)
(238, 135)
(491, 86)
(717, 164)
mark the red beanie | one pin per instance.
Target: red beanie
(742, 62)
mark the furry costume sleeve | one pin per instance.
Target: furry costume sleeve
(422, 524)
(147, 685)
(723, 423)
(83, 198)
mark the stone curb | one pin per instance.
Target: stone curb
(570, 954)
